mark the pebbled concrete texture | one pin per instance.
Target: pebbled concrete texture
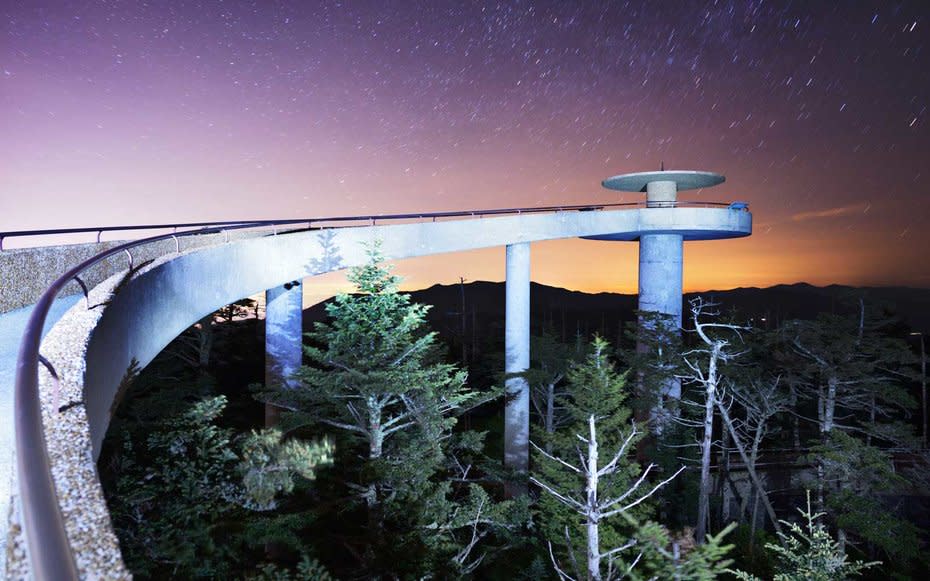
(74, 473)
(24, 276)
(25, 273)
(11, 330)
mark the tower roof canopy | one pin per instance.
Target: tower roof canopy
(684, 179)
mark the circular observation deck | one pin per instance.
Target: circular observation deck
(687, 221)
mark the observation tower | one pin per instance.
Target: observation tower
(671, 223)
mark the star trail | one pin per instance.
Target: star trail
(120, 113)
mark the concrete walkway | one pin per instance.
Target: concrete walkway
(11, 331)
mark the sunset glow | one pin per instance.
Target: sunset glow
(817, 115)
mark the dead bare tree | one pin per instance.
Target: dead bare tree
(551, 360)
(704, 363)
(761, 400)
(593, 508)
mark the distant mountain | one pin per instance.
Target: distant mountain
(570, 312)
(804, 301)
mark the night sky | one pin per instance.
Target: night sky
(126, 112)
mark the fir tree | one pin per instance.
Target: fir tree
(377, 378)
(550, 361)
(182, 497)
(853, 370)
(809, 553)
(595, 389)
(375, 375)
(595, 505)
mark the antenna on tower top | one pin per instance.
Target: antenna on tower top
(662, 166)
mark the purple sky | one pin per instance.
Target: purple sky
(122, 112)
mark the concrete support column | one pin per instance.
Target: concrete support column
(283, 340)
(660, 283)
(517, 358)
(660, 274)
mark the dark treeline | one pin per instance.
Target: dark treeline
(793, 451)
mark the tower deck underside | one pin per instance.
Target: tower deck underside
(689, 223)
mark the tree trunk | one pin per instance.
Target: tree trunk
(826, 426)
(464, 348)
(375, 444)
(550, 415)
(750, 466)
(724, 479)
(923, 388)
(829, 407)
(710, 397)
(205, 342)
(593, 516)
(594, 554)
(755, 517)
(795, 425)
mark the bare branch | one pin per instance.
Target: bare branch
(566, 500)
(563, 576)
(350, 427)
(611, 466)
(554, 458)
(643, 498)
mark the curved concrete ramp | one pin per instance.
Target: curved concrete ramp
(134, 316)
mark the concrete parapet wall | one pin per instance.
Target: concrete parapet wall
(25, 273)
(80, 496)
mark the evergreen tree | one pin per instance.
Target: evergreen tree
(809, 553)
(377, 378)
(853, 371)
(654, 361)
(550, 361)
(376, 375)
(593, 514)
(595, 389)
(183, 497)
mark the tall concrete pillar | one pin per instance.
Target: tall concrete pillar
(660, 285)
(660, 277)
(517, 358)
(660, 272)
(283, 340)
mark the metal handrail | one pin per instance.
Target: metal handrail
(366, 218)
(49, 552)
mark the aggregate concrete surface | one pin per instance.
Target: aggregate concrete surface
(12, 325)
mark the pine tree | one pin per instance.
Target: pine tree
(595, 389)
(593, 513)
(377, 377)
(654, 361)
(809, 553)
(550, 361)
(184, 494)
